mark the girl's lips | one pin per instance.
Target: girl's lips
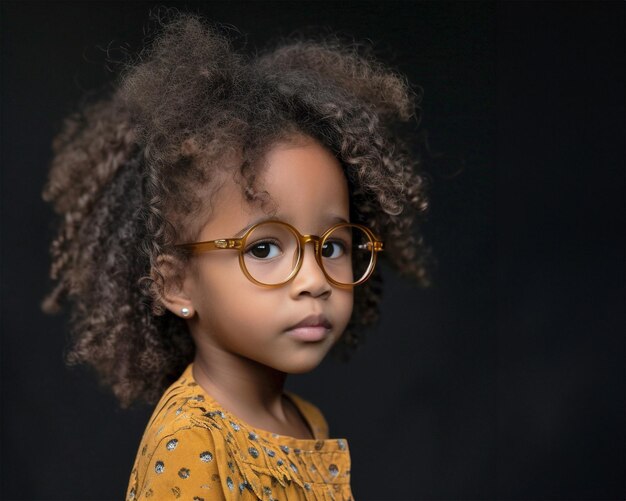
(309, 333)
(314, 327)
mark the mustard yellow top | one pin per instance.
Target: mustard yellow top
(193, 449)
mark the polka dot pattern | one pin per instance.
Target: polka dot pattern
(195, 449)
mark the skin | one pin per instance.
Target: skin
(243, 353)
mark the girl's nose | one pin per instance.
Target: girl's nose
(310, 278)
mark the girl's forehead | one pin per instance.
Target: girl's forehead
(304, 176)
(303, 185)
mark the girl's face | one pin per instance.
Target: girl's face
(235, 317)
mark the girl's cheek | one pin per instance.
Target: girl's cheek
(347, 305)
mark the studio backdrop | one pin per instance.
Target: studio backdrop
(502, 380)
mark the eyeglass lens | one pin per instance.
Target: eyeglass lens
(271, 253)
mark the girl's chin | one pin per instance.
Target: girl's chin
(304, 364)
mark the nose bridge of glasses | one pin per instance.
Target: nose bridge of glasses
(310, 238)
(315, 240)
(305, 239)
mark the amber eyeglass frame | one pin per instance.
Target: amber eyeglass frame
(239, 244)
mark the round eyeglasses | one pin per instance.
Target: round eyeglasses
(271, 252)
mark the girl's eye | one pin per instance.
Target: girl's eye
(264, 249)
(333, 249)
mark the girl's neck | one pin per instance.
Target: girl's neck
(251, 391)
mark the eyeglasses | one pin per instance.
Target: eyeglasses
(271, 252)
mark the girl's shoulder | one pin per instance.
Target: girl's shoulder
(193, 446)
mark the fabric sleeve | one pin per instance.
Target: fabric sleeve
(182, 465)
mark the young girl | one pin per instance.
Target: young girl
(222, 220)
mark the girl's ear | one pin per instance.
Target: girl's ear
(170, 279)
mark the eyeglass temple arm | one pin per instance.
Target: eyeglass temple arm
(222, 243)
(378, 246)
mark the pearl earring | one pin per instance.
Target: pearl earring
(185, 312)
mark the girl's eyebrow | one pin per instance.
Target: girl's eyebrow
(259, 220)
(330, 220)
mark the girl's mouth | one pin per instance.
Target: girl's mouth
(314, 327)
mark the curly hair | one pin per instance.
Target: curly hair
(133, 174)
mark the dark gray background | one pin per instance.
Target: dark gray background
(505, 380)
